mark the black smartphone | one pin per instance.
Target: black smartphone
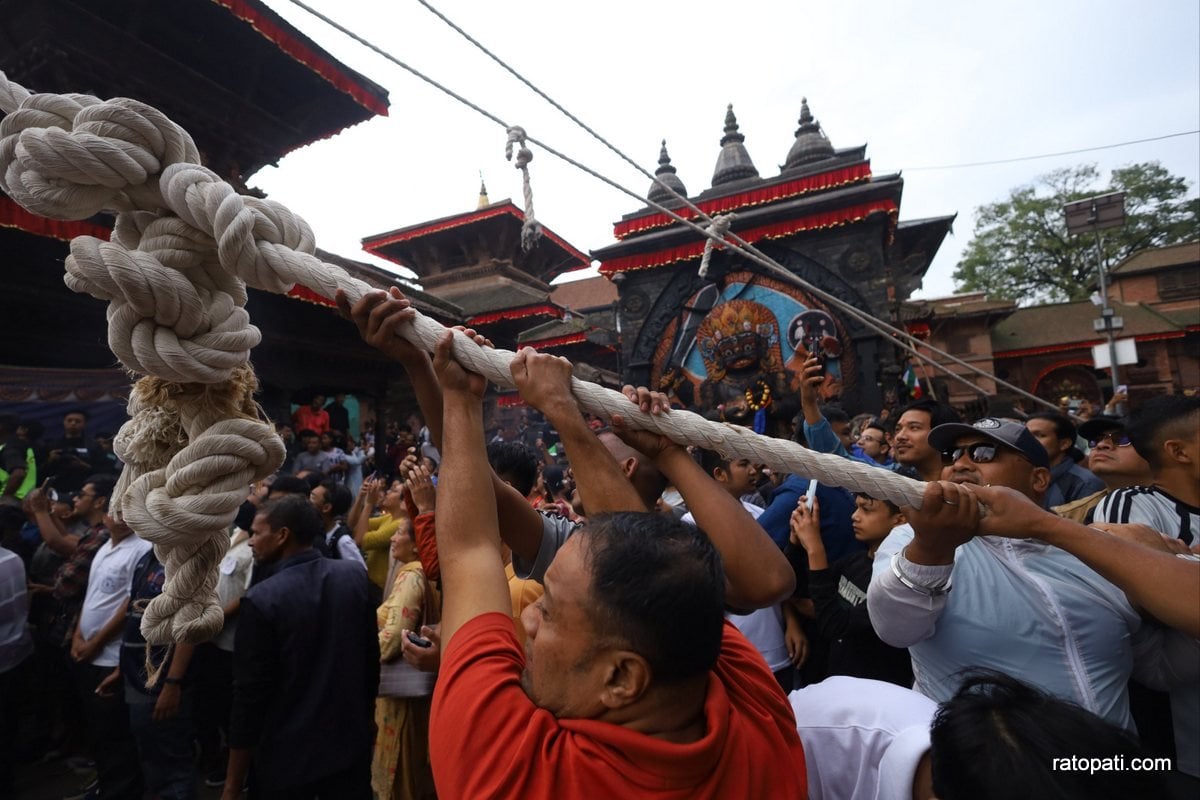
(418, 639)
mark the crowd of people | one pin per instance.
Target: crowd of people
(478, 611)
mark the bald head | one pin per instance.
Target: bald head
(638, 468)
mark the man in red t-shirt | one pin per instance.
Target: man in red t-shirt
(631, 683)
(312, 417)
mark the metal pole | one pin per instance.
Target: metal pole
(1107, 313)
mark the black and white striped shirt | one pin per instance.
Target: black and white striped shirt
(1150, 505)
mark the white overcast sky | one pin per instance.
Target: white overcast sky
(922, 83)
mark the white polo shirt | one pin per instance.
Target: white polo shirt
(109, 583)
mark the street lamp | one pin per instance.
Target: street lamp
(1092, 216)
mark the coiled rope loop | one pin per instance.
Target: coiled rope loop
(184, 247)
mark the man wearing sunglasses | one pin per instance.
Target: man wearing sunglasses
(1113, 459)
(1017, 606)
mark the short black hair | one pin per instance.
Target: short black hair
(711, 461)
(895, 509)
(998, 738)
(102, 485)
(287, 483)
(834, 414)
(1164, 417)
(939, 413)
(78, 411)
(295, 513)
(338, 496)
(516, 462)
(1063, 427)
(880, 424)
(658, 585)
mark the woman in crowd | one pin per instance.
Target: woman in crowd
(400, 766)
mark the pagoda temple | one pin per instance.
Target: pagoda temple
(475, 261)
(734, 339)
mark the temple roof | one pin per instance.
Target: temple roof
(435, 248)
(1156, 258)
(1069, 325)
(666, 174)
(585, 294)
(496, 296)
(242, 81)
(733, 162)
(811, 143)
(853, 201)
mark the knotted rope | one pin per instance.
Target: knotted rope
(720, 226)
(184, 247)
(531, 231)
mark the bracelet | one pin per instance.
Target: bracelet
(928, 591)
(173, 681)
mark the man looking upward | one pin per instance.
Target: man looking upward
(631, 683)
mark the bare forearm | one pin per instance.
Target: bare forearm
(54, 534)
(180, 660)
(520, 524)
(113, 627)
(1166, 586)
(816, 554)
(603, 487)
(236, 771)
(758, 575)
(468, 527)
(429, 395)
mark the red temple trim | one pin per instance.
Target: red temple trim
(516, 313)
(755, 197)
(513, 400)
(306, 294)
(831, 219)
(1060, 348)
(374, 245)
(13, 216)
(273, 32)
(557, 341)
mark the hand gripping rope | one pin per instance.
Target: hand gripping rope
(184, 248)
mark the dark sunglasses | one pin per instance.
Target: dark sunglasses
(981, 453)
(1115, 438)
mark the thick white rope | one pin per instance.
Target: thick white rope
(531, 230)
(184, 247)
(719, 226)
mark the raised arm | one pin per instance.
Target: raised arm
(1162, 583)
(378, 316)
(756, 572)
(545, 383)
(913, 569)
(51, 528)
(473, 581)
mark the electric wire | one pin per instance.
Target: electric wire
(776, 268)
(738, 244)
(1016, 159)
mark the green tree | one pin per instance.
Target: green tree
(1021, 249)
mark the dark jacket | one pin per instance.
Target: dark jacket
(306, 671)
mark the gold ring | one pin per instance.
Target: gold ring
(947, 502)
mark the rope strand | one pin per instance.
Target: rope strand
(194, 440)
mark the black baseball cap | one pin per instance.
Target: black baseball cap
(1094, 427)
(1013, 435)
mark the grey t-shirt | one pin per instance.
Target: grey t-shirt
(555, 532)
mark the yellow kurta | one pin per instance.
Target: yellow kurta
(400, 765)
(376, 544)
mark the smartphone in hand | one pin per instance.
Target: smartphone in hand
(418, 639)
